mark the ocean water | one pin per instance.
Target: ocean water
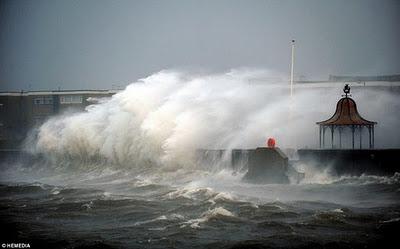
(103, 207)
(122, 173)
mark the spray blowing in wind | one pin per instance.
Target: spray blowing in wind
(161, 120)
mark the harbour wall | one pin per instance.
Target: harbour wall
(262, 165)
(271, 165)
(353, 162)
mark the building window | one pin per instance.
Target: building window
(48, 100)
(71, 99)
(43, 100)
(38, 101)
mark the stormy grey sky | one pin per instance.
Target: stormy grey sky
(46, 44)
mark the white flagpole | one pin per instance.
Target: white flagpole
(291, 133)
(292, 71)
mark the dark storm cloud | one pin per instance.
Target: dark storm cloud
(98, 44)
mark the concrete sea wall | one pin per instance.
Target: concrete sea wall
(353, 162)
(263, 165)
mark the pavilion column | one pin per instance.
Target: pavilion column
(373, 137)
(369, 136)
(332, 130)
(352, 134)
(323, 137)
(360, 136)
(320, 141)
(340, 137)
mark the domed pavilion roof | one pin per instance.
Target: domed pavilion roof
(346, 113)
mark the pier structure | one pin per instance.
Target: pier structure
(346, 116)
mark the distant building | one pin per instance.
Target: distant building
(394, 77)
(21, 111)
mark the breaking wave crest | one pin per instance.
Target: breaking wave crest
(156, 124)
(208, 215)
(369, 179)
(323, 175)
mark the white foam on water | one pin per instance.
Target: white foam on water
(208, 215)
(172, 217)
(391, 220)
(138, 223)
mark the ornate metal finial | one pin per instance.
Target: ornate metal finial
(346, 90)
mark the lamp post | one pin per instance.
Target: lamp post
(292, 70)
(291, 133)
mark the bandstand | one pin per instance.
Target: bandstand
(346, 117)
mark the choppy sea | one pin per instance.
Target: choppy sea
(105, 207)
